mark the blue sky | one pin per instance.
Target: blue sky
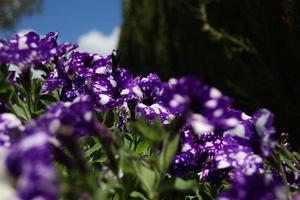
(92, 23)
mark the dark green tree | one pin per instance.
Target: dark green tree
(12, 10)
(247, 48)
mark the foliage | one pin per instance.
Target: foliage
(12, 10)
(248, 49)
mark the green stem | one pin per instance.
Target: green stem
(29, 101)
(276, 158)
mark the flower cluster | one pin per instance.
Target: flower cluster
(29, 160)
(217, 142)
(113, 88)
(262, 187)
(25, 50)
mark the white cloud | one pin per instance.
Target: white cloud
(96, 42)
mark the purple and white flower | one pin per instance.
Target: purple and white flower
(26, 50)
(29, 163)
(255, 186)
(204, 107)
(10, 127)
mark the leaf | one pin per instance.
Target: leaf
(138, 195)
(21, 112)
(177, 184)
(169, 150)
(101, 160)
(181, 184)
(297, 155)
(90, 151)
(25, 80)
(142, 148)
(36, 89)
(104, 192)
(126, 167)
(128, 136)
(107, 118)
(145, 175)
(4, 71)
(6, 91)
(153, 132)
(37, 113)
(192, 198)
(47, 99)
(288, 157)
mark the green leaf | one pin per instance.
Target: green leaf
(286, 156)
(145, 175)
(181, 184)
(126, 167)
(107, 118)
(4, 72)
(36, 89)
(297, 155)
(104, 192)
(47, 99)
(128, 136)
(127, 157)
(37, 113)
(6, 91)
(21, 112)
(192, 198)
(138, 195)
(100, 160)
(95, 148)
(142, 148)
(25, 80)
(153, 132)
(177, 184)
(169, 150)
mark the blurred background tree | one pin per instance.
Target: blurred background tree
(249, 49)
(12, 10)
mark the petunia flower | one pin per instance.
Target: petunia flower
(56, 79)
(87, 64)
(238, 157)
(76, 115)
(256, 186)
(196, 156)
(25, 50)
(7, 190)
(84, 71)
(151, 105)
(228, 155)
(202, 106)
(29, 163)
(115, 90)
(257, 131)
(265, 132)
(10, 127)
(192, 156)
(212, 156)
